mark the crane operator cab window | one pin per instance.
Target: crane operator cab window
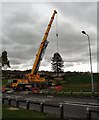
(14, 81)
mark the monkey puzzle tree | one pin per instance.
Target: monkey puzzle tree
(57, 63)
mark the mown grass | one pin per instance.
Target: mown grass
(81, 78)
(80, 82)
(79, 87)
(21, 113)
(4, 82)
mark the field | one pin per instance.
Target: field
(78, 78)
(76, 82)
(79, 88)
(80, 82)
(4, 82)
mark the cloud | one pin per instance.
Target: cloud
(24, 25)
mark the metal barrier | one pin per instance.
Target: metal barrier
(73, 93)
(33, 102)
(88, 113)
(28, 102)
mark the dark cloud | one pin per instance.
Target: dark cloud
(78, 11)
(24, 26)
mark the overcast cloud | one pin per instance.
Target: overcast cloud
(24, 24)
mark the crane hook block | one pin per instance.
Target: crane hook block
(56, 34)
(55, 11)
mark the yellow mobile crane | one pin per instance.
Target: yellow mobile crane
(34, 76)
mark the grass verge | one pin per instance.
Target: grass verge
(12, 112)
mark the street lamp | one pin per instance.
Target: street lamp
(90, 60)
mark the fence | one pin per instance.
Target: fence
(89, 111)
(73, 93)
(33, 102)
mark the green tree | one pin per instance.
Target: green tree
(57, 63)
(4, 59)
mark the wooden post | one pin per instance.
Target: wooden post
(88, 112)
(41, 107)
(71, 92)
(27, 105)
(81, 92)
(17, 103)
(93, 93)
(2, 100)
(9, 101)
(61, 112)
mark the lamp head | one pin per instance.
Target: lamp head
(83, 32)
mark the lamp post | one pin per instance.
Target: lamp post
(90, 60)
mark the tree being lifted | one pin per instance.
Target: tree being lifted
(57, 63)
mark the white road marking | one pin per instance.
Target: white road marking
(9, 96)
(34, 100)
(38, 99)
(42, 100)
(50, 96)
(81, 105)
(18, 96)
(27, 99)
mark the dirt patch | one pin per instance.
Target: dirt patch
(12, 108)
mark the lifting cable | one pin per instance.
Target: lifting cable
(57, 35)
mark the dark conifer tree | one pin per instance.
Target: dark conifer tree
(4, 59)
(57, 63)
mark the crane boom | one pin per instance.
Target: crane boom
(42, 47)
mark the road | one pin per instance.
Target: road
(74, 107)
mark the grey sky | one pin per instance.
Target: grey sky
(24, 24)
